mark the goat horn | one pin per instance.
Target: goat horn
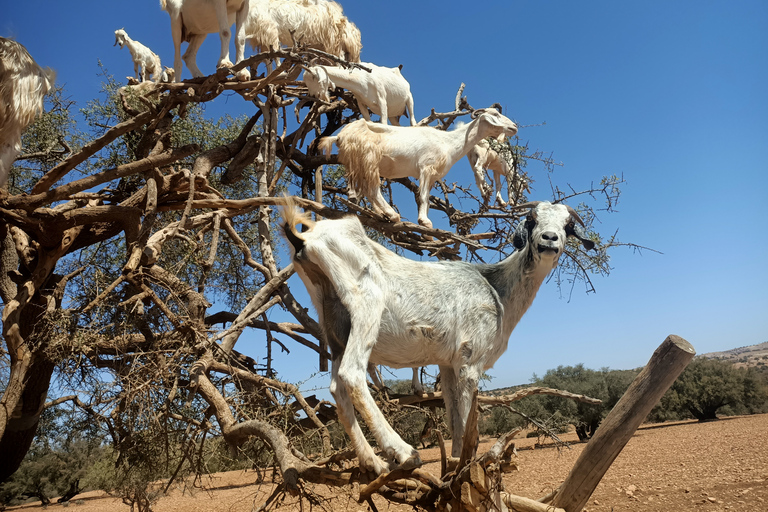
(575, 215)
(530, 204)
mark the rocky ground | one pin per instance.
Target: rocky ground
(689, 466)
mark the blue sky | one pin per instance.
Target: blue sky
(671, 95)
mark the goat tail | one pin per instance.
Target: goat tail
(293, 217)
(326, 144)
(360, 150)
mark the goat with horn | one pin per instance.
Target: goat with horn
(376, 306)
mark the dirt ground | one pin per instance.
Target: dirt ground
(687, 466)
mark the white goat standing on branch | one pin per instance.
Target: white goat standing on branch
(383, 90)
(375, 306)
(23, 86)
(496, 155)
(321, 25)
(369, 150)
(193, 20)
(145, 61)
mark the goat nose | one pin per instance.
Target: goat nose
(549, 235)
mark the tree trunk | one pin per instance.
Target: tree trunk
(22, 401)
(39, 494)
(31, 370)
(696, 413)
(20, 409)
(74, 490)
(9, 260)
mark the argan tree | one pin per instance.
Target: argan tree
(117, 241)
(710, 385)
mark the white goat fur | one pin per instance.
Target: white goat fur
(369, 150)
(23, 85)
(383, 90)
(145, 61)
(321, 25)
(378, 307)
(482, 157)
(193, 20)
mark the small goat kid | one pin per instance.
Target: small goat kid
(383, 90)
(375, 306)
(369, 150)
(23, 85)
(496, 155)
(193, 20)
(145, 61)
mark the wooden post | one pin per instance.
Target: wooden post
(666, 364)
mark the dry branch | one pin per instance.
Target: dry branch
(498, 400)
(90, 149)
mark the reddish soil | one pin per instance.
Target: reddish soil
(687, 466)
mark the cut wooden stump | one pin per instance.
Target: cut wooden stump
(476, 484)
(666, 364)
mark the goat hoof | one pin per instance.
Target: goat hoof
(412, 462)
(375, 466)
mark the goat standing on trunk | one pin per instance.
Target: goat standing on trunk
(372, 150)
(383, 90)
(376, 306)
(193, 20)
(23, 86)
(496, 155)
(146, 63)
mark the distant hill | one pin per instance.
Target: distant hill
(753, 355)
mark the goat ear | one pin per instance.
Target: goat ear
(520, 238)
(581, 235)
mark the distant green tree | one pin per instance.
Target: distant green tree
(709, 385)
(57, 464)
(499, 421)
(606, 385)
